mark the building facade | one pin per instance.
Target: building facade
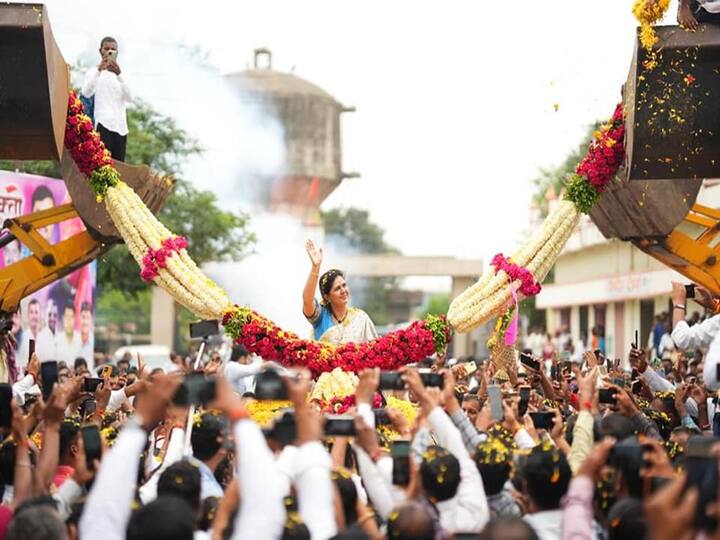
(613, 284)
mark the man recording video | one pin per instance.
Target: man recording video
(111, 95)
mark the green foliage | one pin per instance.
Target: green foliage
(213, 234)
(580, 192)
(438, 304)
(352, 228)
(353, 225)
(48, 168)
(156, 140)
(116, 306)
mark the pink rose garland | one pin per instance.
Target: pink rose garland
(528, 285)
(155, 259)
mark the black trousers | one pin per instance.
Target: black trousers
(114, 142)
(703, 16)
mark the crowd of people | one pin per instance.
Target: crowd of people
(538, 448)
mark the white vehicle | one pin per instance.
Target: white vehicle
(154, 356)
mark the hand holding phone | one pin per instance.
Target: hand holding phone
(92, 444)
(528, 361)
(543, 419)
(48, 377)
(608, 396)
(400, 452)
(690, 291)
(496, 405)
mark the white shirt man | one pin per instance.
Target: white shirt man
(112, 95)
(48, 341)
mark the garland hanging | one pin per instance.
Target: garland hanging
(262, 337)
(491, 295)
(164, 261)
(174, 270)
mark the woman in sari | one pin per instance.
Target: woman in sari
(333, 320)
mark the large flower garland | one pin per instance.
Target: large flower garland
(528, 285)
(165, 261)
(262, 337)
(492, 295)
(604, 156)
(155, 259)
(88, 150)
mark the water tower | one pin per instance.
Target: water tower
(310, 118)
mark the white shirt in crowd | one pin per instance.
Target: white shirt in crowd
(111, 98)
(242, 376)
(48, 345)
(697, 336)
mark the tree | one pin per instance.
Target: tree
(555, 176)
(213, 234)
(438, 304)
(352, 228)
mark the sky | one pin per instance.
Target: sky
(459, 103)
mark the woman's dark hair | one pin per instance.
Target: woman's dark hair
(547, 476)
(166, 518)
(182, 480)
(327, 280)
(208, 509)
(348, 494)
(440, 473)
(205, 435)
(627, 520)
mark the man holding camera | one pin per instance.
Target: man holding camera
(111, 95)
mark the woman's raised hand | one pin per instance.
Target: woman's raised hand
(315, 253)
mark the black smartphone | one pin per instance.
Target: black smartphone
(529, 361)
(543, 419)
(636, 343)
(567, 366)
(636, 388)
(269, 385)
(702, 472)
(196, 389)
(88, 407)
(339, 425)
(381, 417)
(524, 400)
(400, 452)
(48, 377)
(391, 380)
(717, 372)
(5, 407)
(92, 444)
(432, 379)
(204, 329)
(617, 381)
(689, 291)
(608, 395)
(31, 349)
(91, 384)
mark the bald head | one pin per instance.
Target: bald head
(410, 521)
